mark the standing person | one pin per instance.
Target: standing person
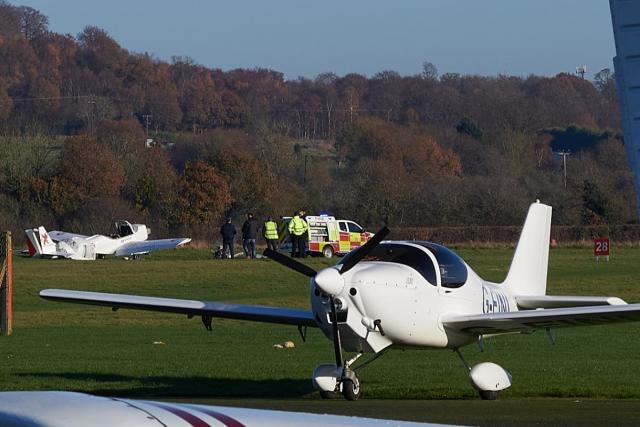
(270, 233)
(297, 230)
(228, 232)
(304, 239)
(282, 231)
(249, 235)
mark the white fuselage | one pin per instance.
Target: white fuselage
(80, 247)
(106, 245)
(408, 306)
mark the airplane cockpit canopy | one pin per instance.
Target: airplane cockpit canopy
(453, 270)
(402, 254)
(124, 228)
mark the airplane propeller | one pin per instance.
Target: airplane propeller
(330, 280)
(290, 262)
(364, 250)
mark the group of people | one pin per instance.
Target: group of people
(298, 229)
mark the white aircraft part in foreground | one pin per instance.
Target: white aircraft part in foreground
(408, 294)
(64, 409)
(130, 240)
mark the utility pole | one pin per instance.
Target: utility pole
(564, 154)
(92, 114)
(6, 284)
(304, 175)
(147, 122)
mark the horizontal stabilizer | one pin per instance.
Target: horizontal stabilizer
(59, 236)
(564, 301)
(552, 318)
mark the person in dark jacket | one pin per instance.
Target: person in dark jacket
(249, 236)
(228, 232)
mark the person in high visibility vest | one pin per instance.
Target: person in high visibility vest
(270, 233)
(298, 231)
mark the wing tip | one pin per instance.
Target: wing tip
(48, 293)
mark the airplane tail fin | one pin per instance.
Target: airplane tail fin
(46, 243)
(33, 244)
(528, 272)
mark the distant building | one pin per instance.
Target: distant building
(625, 16)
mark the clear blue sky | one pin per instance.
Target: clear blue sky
(306, 37)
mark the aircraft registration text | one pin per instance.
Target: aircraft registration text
(494, 301)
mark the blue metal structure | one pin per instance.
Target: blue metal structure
(625, 15)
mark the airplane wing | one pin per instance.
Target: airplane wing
(135, 248)
(60, 408)
(59, 236)
(287, 316)
(530, 320)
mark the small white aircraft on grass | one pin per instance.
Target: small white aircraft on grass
(64, 409)
(130, 240)
(408, 294)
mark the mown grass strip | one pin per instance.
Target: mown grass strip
(143, 354)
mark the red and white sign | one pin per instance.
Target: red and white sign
(601, 246)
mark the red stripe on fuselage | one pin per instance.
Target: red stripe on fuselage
(225, 419)
(188, 417)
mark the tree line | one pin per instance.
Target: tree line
(419, 150)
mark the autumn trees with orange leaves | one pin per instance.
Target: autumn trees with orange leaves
(426, 149)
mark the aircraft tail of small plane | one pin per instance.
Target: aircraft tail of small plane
(39, 242)
(46, 242)
(33, 245)
(528, 272)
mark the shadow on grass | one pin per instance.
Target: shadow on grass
(164, 386)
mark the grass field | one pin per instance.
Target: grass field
(154, 355)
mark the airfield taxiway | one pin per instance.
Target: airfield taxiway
(506, 412)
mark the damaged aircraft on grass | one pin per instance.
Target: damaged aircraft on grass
(407, 294)
(129, 240)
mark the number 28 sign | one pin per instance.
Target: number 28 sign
(601, 246)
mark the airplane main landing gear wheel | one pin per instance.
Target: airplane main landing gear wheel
(351, 388)
(489, 394)
(328, 394)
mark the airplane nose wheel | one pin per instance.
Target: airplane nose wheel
(351, 388)
(332, 379)
(349, 382)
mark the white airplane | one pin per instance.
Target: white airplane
(399, 294)
(130, 240)
(65, 409)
